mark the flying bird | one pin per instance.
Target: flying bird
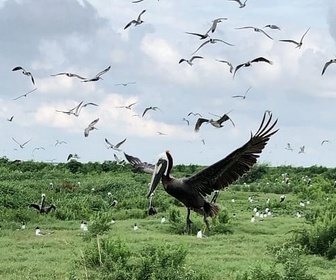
(202, 36)
(25, 95)
(327, 65)
(191, 191)
(24, 72)
(114, 147)
(90, 127)
(190, 61)
(129, 107)
(215, 123)
(211, 41)
(325, 141)
(21, 145)
(194, 114)
(76, 110)
(214, 24)
(10, 119)
(187, 121)
(298, 44)
(125, 84)
(137, 21)
(256, 29)
(302, 150)
(228, 63)
(69, 75)
(242, 96)
(60, 142)
(139, 165)
(249, 63)
(272, 26)
(97, 77)
(241, 4)
(150, 108)
(118, 160)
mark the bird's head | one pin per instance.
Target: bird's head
(160, 169)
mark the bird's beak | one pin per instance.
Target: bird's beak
(159, 170)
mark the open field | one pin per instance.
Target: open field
(222, 256)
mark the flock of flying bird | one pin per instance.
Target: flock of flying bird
(191, 191)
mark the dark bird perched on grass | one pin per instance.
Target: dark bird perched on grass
(138, 165)
(137, 21)
(190, 61)
(211, 41)
(70, 75)
(90, 127)
(25, 95)
(215, 123)
(249, 63)
(21, 145)
(97, 77)
(191, 191)
(326, 65)
(256, 29)
(150, 108)
(41, 208)
(24, 72)
(298, 44)
(116, 146)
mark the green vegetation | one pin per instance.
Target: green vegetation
(279, 246)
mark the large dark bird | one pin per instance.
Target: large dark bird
(41, 208)
(139, 165)
(191, 191)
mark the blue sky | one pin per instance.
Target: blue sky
(84, 37)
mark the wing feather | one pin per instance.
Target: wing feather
(226, 171)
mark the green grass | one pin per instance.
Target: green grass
(26, 256)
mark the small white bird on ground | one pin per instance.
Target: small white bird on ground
(200, 234)
(135, 228)
(252, 219)
(163, 219)
(38, 232)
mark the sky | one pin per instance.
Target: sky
(46, 37)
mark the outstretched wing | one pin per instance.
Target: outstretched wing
(139, 165)
(226, 171)
(199, 122)
(104, 71)
(120, 143)
(36, 206)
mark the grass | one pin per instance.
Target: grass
(26, 256)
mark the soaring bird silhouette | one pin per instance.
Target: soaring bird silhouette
(298, 44)
(256, 29)
(41, 208)
(154, 108)
(190, 61)
(241, 4)
(10, 119)
(70, 75)
(215, 123)
(25, 95)
(326, 65)
(90, 127)
(138, 165)
(211, 41)
(228, 63)
(136, 21)
(97, 77)
(191, 191)
(125, 84)
(116, 146)
(70, 156)
(242, 96)
(21, 145)
(24, 72)
(249, 63)
(129, 107)
(272, 26)
(76, 110)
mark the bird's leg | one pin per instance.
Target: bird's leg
(206, 221)
(189, 222)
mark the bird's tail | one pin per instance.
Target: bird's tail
(211, 210)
